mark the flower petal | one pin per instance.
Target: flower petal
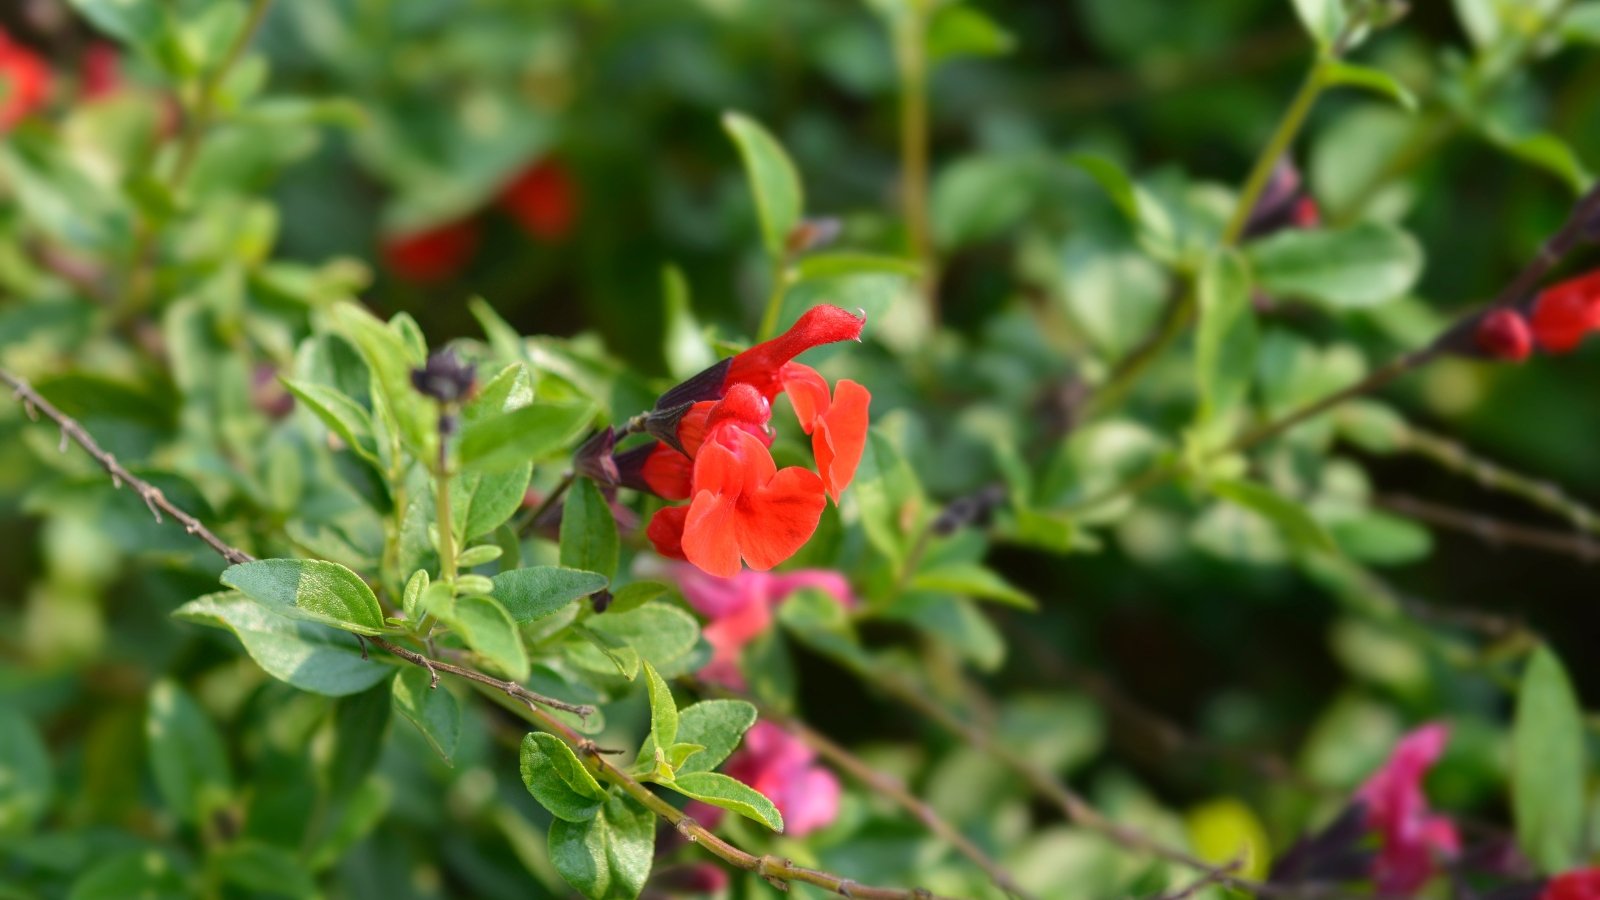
(841, 436)
(668, 472)
(666, 531)
(776, 521)
(710, 539)
(807, 391)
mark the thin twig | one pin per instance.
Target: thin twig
(1457, 457)
(880, 783)
(526, 702)
(1491, 530)
(1204, 881)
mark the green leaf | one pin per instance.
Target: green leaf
(342, 416)
(955, 31)
(489, 631)
(136, 23)
(663, 709)
(556, 778)
(1546, 151)
(359, 724)
(884, 486)
(1375, 80)
(1152, 222)
(607, 857)
(26, 782)
(186, 754)
(360, 816)
(971, 580)
(539, 591)
(683, 341)
(821, 266)
(602, 653)
(483, 501)
(311, 657)
(659, 632)
(1291, 518)
(1361, 266)
(718, 789)
(1323, 19)
(309, 589)
(1548, 768)
(1225, 336)
(263, 869)
(634, 595)
(1481, 20)
(1581, 24)
(976, 198)
(390, 360)
(145, 874)
(432, 709)
(588, 530)
(780, 201)
(532, 433)
(715, 725)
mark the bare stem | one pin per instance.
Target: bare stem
(883, 784)
(1491, 530)
(1457, 457)
(910, 41)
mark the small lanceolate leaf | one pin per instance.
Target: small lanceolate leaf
(343, 416)
(1225, 337)
(1291, 518)
(780, 201)
(556, 778)
(730, 794)
(971, 580)
(25, 777)
(1361, 266)
(716, 726)
(663, 709)
(483, 501)
(309, 656)
(1547, 765)
(588, 530)
(607, 857)
(263, 868)
(432, 709)
(390, 359)
(191, 767)
(538, 591)
(683, 343)
(658, 632)
(509, 440)
(309, 589)
(489, 631)
(957, 30)
(1376, 80)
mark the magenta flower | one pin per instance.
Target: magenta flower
(784, 768)
(740, 609)
(1413, 836)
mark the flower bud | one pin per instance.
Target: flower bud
(1504, 334)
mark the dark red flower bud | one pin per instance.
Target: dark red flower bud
(426, 257)
(445, 377)
(1504, 334)
(543, 199)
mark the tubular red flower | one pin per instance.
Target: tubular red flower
(430, 256)
(1504, 334)
(745, 507)
(24, 82)
(761, 366)
(1567, 311)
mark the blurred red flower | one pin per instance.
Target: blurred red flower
(1567, 311)
(1580, 884)
(543, 199)
(433, 255)
(24, 82)
(1412, 835)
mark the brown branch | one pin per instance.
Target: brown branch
(881, 783)
(1459, 458)
(526, 702)
(1201, 883)
(1491, 530)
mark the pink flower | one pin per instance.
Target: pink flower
(740, 608)
(1413, 836)
(782, 767)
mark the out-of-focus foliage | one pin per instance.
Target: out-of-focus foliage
(226, 253)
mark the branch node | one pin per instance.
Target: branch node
(687, 826)
(152, 498)
(62, 447)
(845, 888)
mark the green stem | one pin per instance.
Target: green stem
(442, 515)
(1282, 138)
(780, 289)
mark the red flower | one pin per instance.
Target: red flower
(24, 82)
(543, 199)
(1565, 312)
(1412, 835)
(430, 256)
(741, 505)
(1504, 334)
(1307, 214)
(1580, 884)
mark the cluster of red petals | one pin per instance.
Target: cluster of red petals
(1413, 837)
(1580, 884)
(432, 255)
(741, 505)
(1504, 334)
(1564, 313)
(543, 199)
(24, 82)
